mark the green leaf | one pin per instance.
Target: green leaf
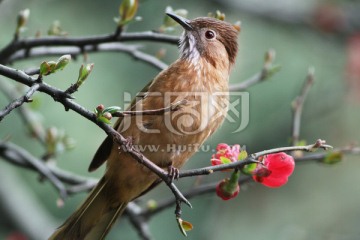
(273, 70)
(242, 155)
(84, 72)
(103, 119)
(56, 29)
(249, 168)
(69, 143)
(218, 15)
(333, 157)
(187, 226)
(301, 143)
(127, 10)
(22, 19)
(184, 226)
(44, 68)
(152, 204)
(52, 66)
(112, 109)
(49, 67)
(225, 160)
(62, 62)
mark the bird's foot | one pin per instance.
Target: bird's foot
(129, 143)
(173, 172)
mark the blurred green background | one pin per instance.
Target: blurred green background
(319, 202)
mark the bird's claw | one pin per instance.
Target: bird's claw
(129, 143)
(173, 173)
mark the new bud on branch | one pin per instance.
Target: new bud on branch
(84, 72)
(49, 67)
(127, 11)
(22, 19)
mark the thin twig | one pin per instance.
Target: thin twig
(35, 163)
(139, 222)
(138, 156)
(173, 107)
(298, 104)
(191, 193)
(20, 157)
(309, 148)
(132, 50)
(12, 155)
(266, 72)
(256, 78)
(29, 43)
(19, 101)
(35, 127)
(252, 159)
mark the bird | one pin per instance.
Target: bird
(207, 51)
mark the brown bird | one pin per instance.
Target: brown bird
(208, 48)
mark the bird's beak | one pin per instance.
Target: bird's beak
(185, 23)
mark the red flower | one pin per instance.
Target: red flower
(274, 170)
(225, 154)
(215, 162)
(224, 193)
(229, 188)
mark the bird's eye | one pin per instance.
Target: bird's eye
(209, 34)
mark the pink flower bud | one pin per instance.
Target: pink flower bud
(107, 115)
(100, 107)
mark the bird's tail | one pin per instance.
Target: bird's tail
(93, 219)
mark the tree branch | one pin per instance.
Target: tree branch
(35, 127)
(80, 184)
(35, 163)
(63, 98)
(173, 107)
(82, 42)
(297, 106)
(211, 187)
(252, 159)
(18, 102)
(131, 50)
(138, 221)
(266, 72)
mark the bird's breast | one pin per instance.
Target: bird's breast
(176, 135)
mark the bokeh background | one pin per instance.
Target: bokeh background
(319, 202)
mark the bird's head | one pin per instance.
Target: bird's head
(207, 38)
